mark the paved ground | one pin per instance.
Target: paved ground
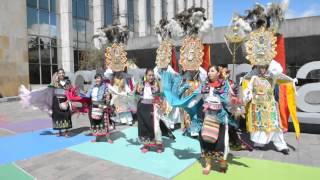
(67, 164)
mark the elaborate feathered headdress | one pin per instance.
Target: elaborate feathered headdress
(110, 34)
(261, 47)
(116, 56)
(188, 22)
(271, 16)
(164, 53)
(191, 53)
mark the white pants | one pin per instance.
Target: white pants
(262, 138)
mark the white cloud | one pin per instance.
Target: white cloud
(313, 10)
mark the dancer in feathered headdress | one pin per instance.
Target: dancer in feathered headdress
(122, 85)
(265, 51)
(263, 118)
(187, 25)
(111, 94)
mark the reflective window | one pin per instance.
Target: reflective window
(44, 25)
(74, 8)
(32, 3)
(32, 20)
(53, 25)
(53, 5)
(130, 13)
(42, 42)
(108, 12)
(34, 73)
(164, 8)
(44, 4)
(89, 31)
(54, 57)
(76, 60)
(33, 54)
(54, 42)
(46, 74)
(81, 7)
(54, 68)
(82, 45)
(75, 31)
(82, 28)
(45, 55)
(148, 9)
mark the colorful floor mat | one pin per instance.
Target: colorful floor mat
(247, 168)
(27, 126)
(26, 145)
(126, 151)
(11, 171)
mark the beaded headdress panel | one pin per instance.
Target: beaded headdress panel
(261, 47)
(116, 57)
(164, 53)
(191, 53)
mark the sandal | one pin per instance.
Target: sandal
(223, 166)
(109, 141)
(59, 134)
(206, 170)
(144, 149)
(160, 148)
(66, 134)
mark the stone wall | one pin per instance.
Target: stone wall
(13, 46)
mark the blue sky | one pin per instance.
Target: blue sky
(223, 9)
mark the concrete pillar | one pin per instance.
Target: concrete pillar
(123, 18)
(142, 17)
(170, 9)
(157, 11)
(180, 5)
(189, 3)
(14, 66)
(67, 59)
(197, 3)
(210, 10)
(98, 15)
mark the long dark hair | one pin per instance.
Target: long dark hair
(98, 75)
(148, 70)
(215, 66)
(145, 75)
(212, 66)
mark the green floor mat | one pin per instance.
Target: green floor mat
(12, 172)
(247, 168)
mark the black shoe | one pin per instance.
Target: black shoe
(259, 148)
(171, 136)
(285, 151)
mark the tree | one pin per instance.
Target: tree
(93, 59)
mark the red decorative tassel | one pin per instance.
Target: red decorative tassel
(206, 57)
(174, 62)
(283, 106)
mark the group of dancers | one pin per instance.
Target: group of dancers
(205, 109)
(186, 94)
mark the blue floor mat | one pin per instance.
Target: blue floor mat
(26, 145)
(126, 151)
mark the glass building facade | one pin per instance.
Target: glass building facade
(108, 12)
(42, 40)
(82, 29)
(130, 13)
